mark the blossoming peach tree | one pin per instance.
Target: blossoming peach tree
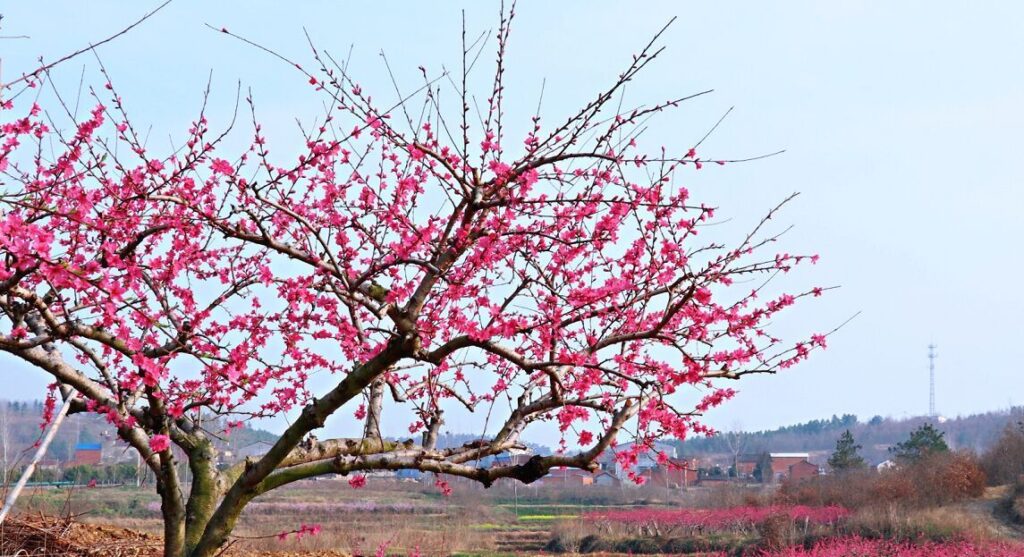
(410, 253)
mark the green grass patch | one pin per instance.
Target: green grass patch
(488, 526)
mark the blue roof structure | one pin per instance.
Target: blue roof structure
(89, 447)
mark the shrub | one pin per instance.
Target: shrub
(892, 487)
(1012, 507)
(1004, 462)
(851, 490)
(713, 544)
(594, 544)
(947, 478)
(928, 524)
(934, 479)
(685, 546)
(557, 544)
(638, 545)
(777, 531)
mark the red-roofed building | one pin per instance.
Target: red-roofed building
(803, 470)
(746, 464)
(776, 467)
(87, 454)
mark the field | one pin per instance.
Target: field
(328, 517)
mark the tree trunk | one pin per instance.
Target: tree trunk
(375, 404)
(216, 531)
(433, 427)
(249, 483)
(171, 507)
(203, 495)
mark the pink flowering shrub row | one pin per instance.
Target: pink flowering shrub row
(654, 521)
(860, 547)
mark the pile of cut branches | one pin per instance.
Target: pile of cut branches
(44, 535)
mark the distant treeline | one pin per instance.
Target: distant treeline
(123, 473)
(976, 432)
(22, 407)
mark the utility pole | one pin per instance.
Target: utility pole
(931, 380)
(5, 432)
(515, 495)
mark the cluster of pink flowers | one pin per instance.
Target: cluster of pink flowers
(860, 547)
(159, 443)
(445, 487)
(304, 530)
(717, 519)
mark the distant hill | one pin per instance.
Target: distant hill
(20, 429)
(20, 421)
(975, 432)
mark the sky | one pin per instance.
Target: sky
(901, 122)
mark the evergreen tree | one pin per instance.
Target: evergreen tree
(923, 441)
(845, 457)
(763, 471)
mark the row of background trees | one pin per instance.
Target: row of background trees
(977, 432)
(1002, 462)
(926, 473)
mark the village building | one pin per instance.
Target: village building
(566, 477)
(255, 449)
(803, 470)
(408, 475)
(511, 459)
(649, 458)
(118, 452)
(746, 464)
(87, 454)
(606, 479)
(885, 465)
(49, 464)
(676, 473)
(777, 467)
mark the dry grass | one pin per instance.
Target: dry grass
(936, 523)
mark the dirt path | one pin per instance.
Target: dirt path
(987, 509)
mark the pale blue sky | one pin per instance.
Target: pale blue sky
(902, 123)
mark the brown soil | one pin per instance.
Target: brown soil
(38, 536)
